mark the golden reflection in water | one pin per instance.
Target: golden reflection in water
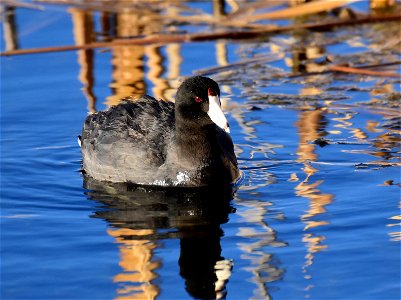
(382, 145)
(221, 53)
(359, 134)
(314, 245)
(395, 236)
(382, 88)
(379, 5)
(310, 127)
(371, 126)
(310, 91)
(262, 267)
(174, 61)
(84, 34)
(156, 70)
(128, 62)
(138, 269)
(302, 59)
(174, 57)
(342, 121)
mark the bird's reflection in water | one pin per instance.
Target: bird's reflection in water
(140, 217)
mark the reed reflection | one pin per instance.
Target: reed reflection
(311, 126)
(128, 76)
(395, 221)
(132, 66)
(383, 146)
(83, 28)
(137, 264)
(141, 218)
(255, 232)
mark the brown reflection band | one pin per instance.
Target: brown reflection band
(199, 37)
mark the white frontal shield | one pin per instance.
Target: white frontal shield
(216, 114)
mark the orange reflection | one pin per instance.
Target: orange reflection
(359, 134)
(302, 59)
(382, 88)
(395, 236)
(383, 144)
(174, 70)
(318, 201)
(127, 61)
(310, 91)
(84, 34)
(379, 5)
(310, 127)
(371, 126)
(343, 121)
(136, 262)
(314, 244)
(156, 70)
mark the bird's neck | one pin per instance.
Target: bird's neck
(194, 142)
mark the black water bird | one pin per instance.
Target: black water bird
(152, 142)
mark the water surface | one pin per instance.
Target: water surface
(316, 215)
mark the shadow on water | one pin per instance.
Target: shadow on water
(140, 217)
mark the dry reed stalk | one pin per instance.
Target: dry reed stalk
(119, 6)
(158, 39)
(252, 7)
(16, 3)
(300, 10)
(356, 70)
(362, 71)
(391, 63)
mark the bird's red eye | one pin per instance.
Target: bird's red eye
(198, 99)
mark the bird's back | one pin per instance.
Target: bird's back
(129, 141)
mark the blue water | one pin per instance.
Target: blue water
(306, 221)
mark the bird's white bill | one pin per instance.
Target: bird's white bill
(216, 114)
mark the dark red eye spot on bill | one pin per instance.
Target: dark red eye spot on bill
(211, 92)
(198, 99)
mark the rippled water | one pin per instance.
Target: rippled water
(316, 215)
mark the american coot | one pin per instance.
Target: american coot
(152, 142)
